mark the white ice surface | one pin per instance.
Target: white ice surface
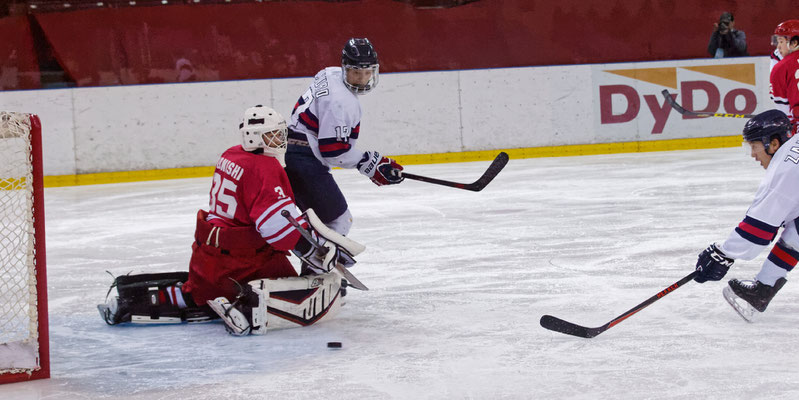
(458, 283)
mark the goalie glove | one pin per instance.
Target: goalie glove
(321, 257)
(381, 170)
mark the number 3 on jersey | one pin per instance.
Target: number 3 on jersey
(222, 203)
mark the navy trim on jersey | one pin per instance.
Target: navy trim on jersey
(783, 256)
(355, 131)
(300, 102)
(331, 147)
(310, 121)
(757, 232)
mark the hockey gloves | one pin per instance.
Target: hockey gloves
(381, 170)
(322, 256)
(712, 265)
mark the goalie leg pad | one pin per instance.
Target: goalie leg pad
(281, 303)
(302, 301)
(142, 299)
(247, 314)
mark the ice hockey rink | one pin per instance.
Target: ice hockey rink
(458, 283)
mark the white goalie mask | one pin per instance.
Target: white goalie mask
(264, 128)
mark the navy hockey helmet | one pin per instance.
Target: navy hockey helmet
(766, 125)
(359, 54)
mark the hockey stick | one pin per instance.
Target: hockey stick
(559, 325)
(476, 186)
(351, 279)
(683, 111)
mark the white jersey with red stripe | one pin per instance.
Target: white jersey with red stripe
(329, 115)
(776, 204)
(776, 56)
(252, 190)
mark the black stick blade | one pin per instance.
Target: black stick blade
(698, 114)
(493, 170)
(490, 173)
(559, 325)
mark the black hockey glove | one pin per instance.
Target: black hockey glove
(712, 265)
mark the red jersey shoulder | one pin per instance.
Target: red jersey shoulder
(237, 164)
(786, 67)
(256, 172)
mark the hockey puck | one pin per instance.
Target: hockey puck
(333, 345)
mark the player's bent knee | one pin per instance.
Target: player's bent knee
(342, 224)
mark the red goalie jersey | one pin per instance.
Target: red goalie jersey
(251, 190)
(243, 236)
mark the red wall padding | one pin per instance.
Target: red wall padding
(285, 39)
(19, 68)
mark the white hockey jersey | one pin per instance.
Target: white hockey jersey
(775, 58)
(776, 204)
(329, 115)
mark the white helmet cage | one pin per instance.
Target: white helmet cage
(371, 84)
(360, 54)
(264, 128)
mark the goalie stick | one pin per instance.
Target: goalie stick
(683, 111)
(351, 279)
(559, 325)
(476, 186)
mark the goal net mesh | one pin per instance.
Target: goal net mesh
(18, 296)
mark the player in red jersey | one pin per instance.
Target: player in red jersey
(784, 78)
(240, 257)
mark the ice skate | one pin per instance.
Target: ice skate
(750, 298)
(110, 311)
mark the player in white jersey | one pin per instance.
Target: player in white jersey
(776, 55)
(324, 129)
(769, 136)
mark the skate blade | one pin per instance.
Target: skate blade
(744, 309)
(105, 314)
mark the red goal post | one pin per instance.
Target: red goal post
(24, 340)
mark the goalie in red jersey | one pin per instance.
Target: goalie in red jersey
(240, 269)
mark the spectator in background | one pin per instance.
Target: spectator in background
(726, 41)
(185, 71)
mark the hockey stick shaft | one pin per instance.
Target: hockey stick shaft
(683, 111)
(351, 279)
(559, 325)
(491, 172)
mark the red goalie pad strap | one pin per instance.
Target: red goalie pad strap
(227, 238)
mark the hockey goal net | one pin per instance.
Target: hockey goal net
(24, 349)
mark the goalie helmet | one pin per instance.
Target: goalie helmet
(360, 57)
(264, 128)
(766, 125)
